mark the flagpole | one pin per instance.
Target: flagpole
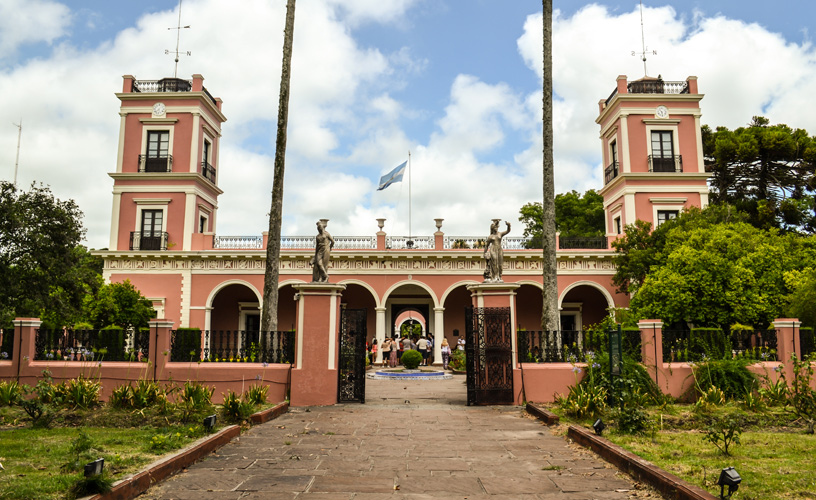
(409, 196)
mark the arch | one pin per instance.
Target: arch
(420, 284)
(284, 283)
(454, 287)
(352, 281)
(610, 302)
(227, 283)
(534, 283)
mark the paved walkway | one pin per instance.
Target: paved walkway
(411, 440)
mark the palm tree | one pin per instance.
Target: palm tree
(269, 313)
(549, 312)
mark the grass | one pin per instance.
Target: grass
(775, 458)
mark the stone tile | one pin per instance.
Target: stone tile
(429, 485)
(516, 485)
(335, 484)
(276, 483)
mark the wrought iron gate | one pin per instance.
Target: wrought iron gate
(488, 349)
(351, 372)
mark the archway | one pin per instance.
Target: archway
(584, 304)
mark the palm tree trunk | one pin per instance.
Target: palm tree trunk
(269, 314)
(550, 318)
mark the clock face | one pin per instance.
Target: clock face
(662, 112)
(159, 109)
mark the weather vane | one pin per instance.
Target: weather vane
(178, 29)
(645, 51)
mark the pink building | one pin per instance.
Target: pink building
(164, 222)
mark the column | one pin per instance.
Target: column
(439, 334)
(25, 348)
(314, 374)
(787, 342)
(380, 333)
(651, 346)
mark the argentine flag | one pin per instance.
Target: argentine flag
(392, 176)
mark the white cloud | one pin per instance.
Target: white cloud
(30, 21)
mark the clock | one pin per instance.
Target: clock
(662, 112)
(159, 109)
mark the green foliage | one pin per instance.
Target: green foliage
(91, 485)
(575, 215)
(186, 345)
(723, 433)
(766, 171)
(40, 413)
(11, 392)
(411, 359)
(121, 396)
(710, 398)
(80, 452)
(457, 361)
(194, 397)
(802, 297)
(711, 343)
(80, 392)
(256, 394)
(775, 393)
(584, 401)
(803, 396)
(44, 272)
(119, 304)
(730, 376)
(632, 419)
(234, 408)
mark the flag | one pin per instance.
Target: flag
(392, 176)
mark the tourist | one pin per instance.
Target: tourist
(394, 349)
(372, 355)
(446, 352)
(386, 351)
(422, 347)
(430, 349)
(460, 344)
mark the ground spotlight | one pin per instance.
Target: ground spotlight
(729, 477)
(94, 468)
(209, 423)
(599, 426)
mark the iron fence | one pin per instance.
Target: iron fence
(6, 344)
(807, 342)
(571, 345)
(756, 345)
(249, 346)
(91, 345)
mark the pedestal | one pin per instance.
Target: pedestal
(314, 374)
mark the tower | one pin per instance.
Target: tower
(652, 151)
(165, 190)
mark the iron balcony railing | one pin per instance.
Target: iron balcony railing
(167, 85)
(156, 240)
(92, 345)
(161, 163)
(665, 163)
(652, 87)
(582, 242)
(610, 172)
(208, 171)
(571, 346)
(225, 346)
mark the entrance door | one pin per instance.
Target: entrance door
(351, 371)
(488, 352)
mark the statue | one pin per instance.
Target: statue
(320, 262)
(493, 254)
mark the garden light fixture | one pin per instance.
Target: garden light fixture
(729, 477)
(94, 468)
(209, 423)
(599, 426)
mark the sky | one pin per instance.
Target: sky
(455, 82)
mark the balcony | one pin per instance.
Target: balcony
(652, 86)
(666, 163)
(168, 85)
(208, 171)
(161, 163)
(611, 172)
(582, 243)
(155, 240)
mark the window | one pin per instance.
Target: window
(152, 235)
(662, 151)
(664, 215)
(206, 155)
(618, 228)
(202, 224)
(207, 169)
(157, 158)
(612, 169)
(613, 147)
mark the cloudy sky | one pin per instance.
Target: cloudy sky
(455, 82)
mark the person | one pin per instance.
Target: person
(386, 351)
(372, 355)
(446, 352)
(460, 344)
(430, 349)
(422, 347)
(493, 254)
(394, 351)
(320, 261)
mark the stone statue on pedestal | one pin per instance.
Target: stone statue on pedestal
(493, 254)
(320, 262)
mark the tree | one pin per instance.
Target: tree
(550, 317)
(269, 312)
(118, 304)
(44, 271)
(575, 215)
(766, 171)
(722, 274)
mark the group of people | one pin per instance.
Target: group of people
(393, 348)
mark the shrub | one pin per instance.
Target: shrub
(632, 419)
(723, 433)
(256, 394)
(709, 342)
(584, 401)
(731, 376)
(121, 396)
(803, 397)
(196, 396)
(457, 361)
(10, 393)
(411, 359)
(186, 344)
(80, 392)
(235, 409)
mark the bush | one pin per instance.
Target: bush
(710, 342)
(186, 345)
(457, 361)
(584, 401)
(10, 393)
(632, 419)
(256, 394)
(235, 409)
(411, 359)
(730, 375)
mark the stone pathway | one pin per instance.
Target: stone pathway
(411, 440)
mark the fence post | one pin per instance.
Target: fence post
(25, 337)
(159, 346)
(651, 346)
(787, 342)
